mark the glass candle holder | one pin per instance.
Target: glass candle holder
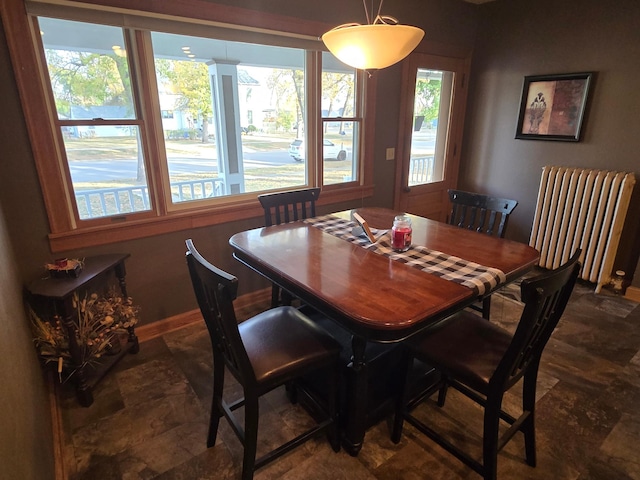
(401, 233)
(617, 282)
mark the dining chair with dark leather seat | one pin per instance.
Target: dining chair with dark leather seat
(285, 207)
(484, 214)
(483, 361)
(262, 353)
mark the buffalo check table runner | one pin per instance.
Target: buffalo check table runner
(477, 277)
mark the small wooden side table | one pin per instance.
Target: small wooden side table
(55, 296)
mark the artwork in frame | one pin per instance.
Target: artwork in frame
(553, 106)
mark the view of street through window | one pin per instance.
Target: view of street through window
(100, 162)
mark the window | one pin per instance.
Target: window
(91, 85)
(153, 125)
(206, 160)
(339, 124)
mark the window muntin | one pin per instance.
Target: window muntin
(92, 88)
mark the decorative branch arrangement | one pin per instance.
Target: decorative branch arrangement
(98, 326)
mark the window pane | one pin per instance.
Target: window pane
(106, 167)
(236, 109)
(340, 137)
(91, 84)
(88, 70)
(432, 107)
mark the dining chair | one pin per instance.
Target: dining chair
(479, 212)
(285, 207)
(483, 361)
(262, 353)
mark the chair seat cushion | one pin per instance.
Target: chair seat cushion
(283, 344)
(466, 346)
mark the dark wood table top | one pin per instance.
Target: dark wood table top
(370, 294)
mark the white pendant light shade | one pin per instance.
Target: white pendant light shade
(372, 46)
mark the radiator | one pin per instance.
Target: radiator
(581, 208)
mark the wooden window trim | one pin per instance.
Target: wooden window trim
(47, 143)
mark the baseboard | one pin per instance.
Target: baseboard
(633, 293)
(171, 324)
(57, 427)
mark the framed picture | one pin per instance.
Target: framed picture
(552, 106)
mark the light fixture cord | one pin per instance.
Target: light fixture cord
(380, 8)
(366, 11)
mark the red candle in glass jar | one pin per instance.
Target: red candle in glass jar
(401, 233)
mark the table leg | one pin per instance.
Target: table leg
(357, 398)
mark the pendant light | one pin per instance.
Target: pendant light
(378, 44)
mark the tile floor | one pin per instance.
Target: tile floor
(150, 415)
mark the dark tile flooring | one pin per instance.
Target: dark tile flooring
(150, 415)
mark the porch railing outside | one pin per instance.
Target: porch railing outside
(421, 170)
(102, 202)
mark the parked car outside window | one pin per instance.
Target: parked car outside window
(330, 150)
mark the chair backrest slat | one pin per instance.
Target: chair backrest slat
(215, 291)
(285, 207)
(545, 299)
(480, 212)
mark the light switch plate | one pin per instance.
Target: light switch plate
(391, 153)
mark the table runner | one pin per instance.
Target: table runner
(479, 278)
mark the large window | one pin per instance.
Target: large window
(151, 124)
(97, 117)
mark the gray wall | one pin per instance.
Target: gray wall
(25, 426)
(520, 37)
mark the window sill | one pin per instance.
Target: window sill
(178, 221)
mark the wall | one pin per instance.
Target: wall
(25, 426)
(518, 38)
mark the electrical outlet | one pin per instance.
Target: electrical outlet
(391, 153)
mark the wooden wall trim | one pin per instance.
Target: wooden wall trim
(633, 293)
(57, 426)
(171, 324)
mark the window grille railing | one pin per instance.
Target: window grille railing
(421, 170)
(100, 202)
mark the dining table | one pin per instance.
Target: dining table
(374, 292)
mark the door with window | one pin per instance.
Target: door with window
(430, 134)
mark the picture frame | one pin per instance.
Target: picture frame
(552, 107)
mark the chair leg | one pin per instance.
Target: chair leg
(402, 398)
(280, 297)
(275, 296)
(486, 307)
(334, 402)
(490, 437)
(291, 391)
(251, 415)
(216, 401)
(442, 393)
(529, 425)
